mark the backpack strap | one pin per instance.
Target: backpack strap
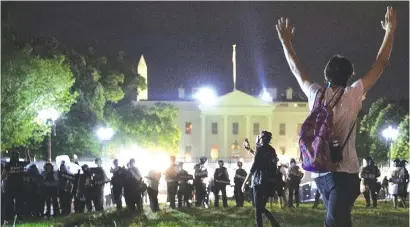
(338, 94)
(348, 136)
(319, 98)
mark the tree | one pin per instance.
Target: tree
(382, 113)
(400, 148)
(29, 84)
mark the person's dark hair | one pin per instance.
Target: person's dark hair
(292, 160)
(338, 71)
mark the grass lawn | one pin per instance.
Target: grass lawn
(303, 216)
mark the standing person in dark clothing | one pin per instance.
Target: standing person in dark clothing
(152, 189)
(369, 174)
(117, 183)
(51, 189)
(171, 176)
(263, 172)
(185, 188)
(99, 179)
(385, 186)
(76, 187)
(294, 177)
(132, 195)
(84, 193)
(239, 179)
(13, 173)
(33, 194)
(65, 189)
(221, 179)
(200, 187)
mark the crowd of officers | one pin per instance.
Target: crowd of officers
(26, 192)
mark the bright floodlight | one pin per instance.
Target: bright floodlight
(105, 133)
(206, 96)
(390, 133)
(265, 96)
(48, 114)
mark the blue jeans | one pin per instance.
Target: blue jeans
(339, 192)
(260, 199)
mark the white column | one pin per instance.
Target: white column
(226, 130)
(203, 138)
(270, 123)
(248, 119)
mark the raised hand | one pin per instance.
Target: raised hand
(390, 22)
(285, 30)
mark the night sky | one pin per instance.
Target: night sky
(190, 43)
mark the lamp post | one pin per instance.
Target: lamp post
(390, 134)
(105, 134)
(49, 116)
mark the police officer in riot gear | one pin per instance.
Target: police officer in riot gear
(221, 179)
(200, 187)
(117, 183)
(13, 173)
(84, 193)
(369, 174)
(295, 175)
(171, 176)
(132, 195)
(185, 188)
(263, 172)
(51, 189)
(99, 179)
(66, 181)
(239, 179)
(153, 183)
(33, 192)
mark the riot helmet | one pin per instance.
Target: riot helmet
(98, 161)
(396, 162)
(239, 164)
(203, 159)
(369, 161)
(221, 163)
(403, 163)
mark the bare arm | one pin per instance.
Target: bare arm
(383, 56)
(285, 32)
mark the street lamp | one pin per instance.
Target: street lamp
(49, 116)
(105, 134)
(390, 134)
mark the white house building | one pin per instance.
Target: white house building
(217, 129)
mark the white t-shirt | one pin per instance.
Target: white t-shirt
(344, 115)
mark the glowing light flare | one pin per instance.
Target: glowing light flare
(265, 96)
(390, 133)
(48, 114)
(214, 152)
(105, 134)
(206, 96)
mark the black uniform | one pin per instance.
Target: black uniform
(132, 192)
(221, 179)
(294, 178)
(152, 189)
(33, 186)
(171, 176)
(13, 189)
(66, 184)
(99, 179)
(185, 188)
(117, 183)
(369, 175)
(84, 193)
(239, 179)
(200, 187)
(51, 192)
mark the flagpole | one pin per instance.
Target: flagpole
(234, 66)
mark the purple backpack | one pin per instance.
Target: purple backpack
(315, 135)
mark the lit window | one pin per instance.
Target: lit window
(282, 129)
(235, 128)
(256, 128)
(188, 128)
(214, 128)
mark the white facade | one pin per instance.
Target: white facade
(214, 126)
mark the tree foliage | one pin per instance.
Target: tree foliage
(30, 84)
(370, 141)
(400, 148)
